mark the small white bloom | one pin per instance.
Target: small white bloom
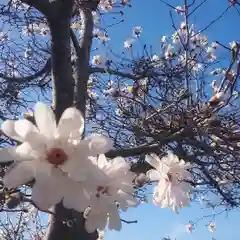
(155, 58)
(27, 31)
(176, 38)
(179, 10)
(98, 60)
(203, 40)
(96, 18)
(189, 228)
(44, 29)
(233, 44)
(18, 4)
(92, 94)
(137, 31)
(171, 191)
(164, 39)
(216, 71)
(119, 112)
(212, 227)
(183, 26)
(28, 53)
(197, 67)
(214, 86)
(107, 5)
(104, 38)
(128, 43)
(211, 53)
(96, 32)
(169, 52)
(214, 45)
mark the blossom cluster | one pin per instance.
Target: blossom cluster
(75, 171)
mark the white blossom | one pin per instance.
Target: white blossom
(164, 39)
(137, 31)
(48, 146)
(189, 228)
(104, 38)
(128, 43)
(28, 53)
(212, 227)
(171, 191)
(18, 4)
(233, 45)
(98, 60)
(96, 17)
(179, 10)
(211, 53)
(114, 190)
(107, 5)
(169, 52)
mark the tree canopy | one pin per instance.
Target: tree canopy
(175, 105)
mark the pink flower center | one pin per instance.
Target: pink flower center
(170, 177)
(102, 190)
(56, 156)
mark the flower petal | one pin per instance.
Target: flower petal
(114, 220)
(75, 168)
(8, 128)
(128, 198)
(71, 124)
(20, 174)
(43, 170)
(48, 192)
(153, 175)
(152, 160)
(99, 144)
(25, 152)
(101, 221)
(120, 164)
(8, 154)
(79, 166)
(29, 133)
(75, 197)
(102, 161)
(45, 120)
(91, 223)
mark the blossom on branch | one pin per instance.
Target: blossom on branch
(48, 146)
(114, 191)
(170, 172)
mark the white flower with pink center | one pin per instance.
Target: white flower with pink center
(47, 147)
(114, 191)
(172, 189)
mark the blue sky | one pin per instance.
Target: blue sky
(155, 223)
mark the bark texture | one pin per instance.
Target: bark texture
(69, 87)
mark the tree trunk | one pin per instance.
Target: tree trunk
(62, 80)
(65, 224)
(82, 49)
(68, 225)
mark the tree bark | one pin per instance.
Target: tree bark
(65, 224)
(81, 72)
(62, 79)
(68, 225)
